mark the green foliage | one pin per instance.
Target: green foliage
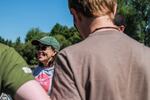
(7, 42)
(62, 40)
(34, 33)
(66, 36)
(29, 53)
(63, 30)
(75, 38)
(19, 46)
(136, 13)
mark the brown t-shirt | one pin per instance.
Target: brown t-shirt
(107, 65)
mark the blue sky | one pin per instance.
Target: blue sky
(17, 17)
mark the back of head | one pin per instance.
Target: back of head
(119, 20)
(94, 8)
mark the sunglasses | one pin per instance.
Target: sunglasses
(41, 47)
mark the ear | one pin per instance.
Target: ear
(122, 28)
(54, 53)
(76, 15)
(115, 9)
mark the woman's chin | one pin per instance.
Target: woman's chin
(40, 60)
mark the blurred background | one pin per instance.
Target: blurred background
(21, 21)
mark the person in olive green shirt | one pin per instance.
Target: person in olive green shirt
(16, 78)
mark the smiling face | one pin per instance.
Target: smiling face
(45, 54)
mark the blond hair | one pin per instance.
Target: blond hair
(93, 8)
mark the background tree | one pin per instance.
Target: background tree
(34, 33)
(66, 36)
(29, 53)
(7, 42)
(137, 14)
(19, 46)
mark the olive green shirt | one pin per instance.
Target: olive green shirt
(13, 70)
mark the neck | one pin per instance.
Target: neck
(88, 25)
(47, 63)
(103, 23)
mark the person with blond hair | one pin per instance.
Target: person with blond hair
(107, 64)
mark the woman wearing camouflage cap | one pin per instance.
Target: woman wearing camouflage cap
(47, 48)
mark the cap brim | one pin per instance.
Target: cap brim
(35, 42)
